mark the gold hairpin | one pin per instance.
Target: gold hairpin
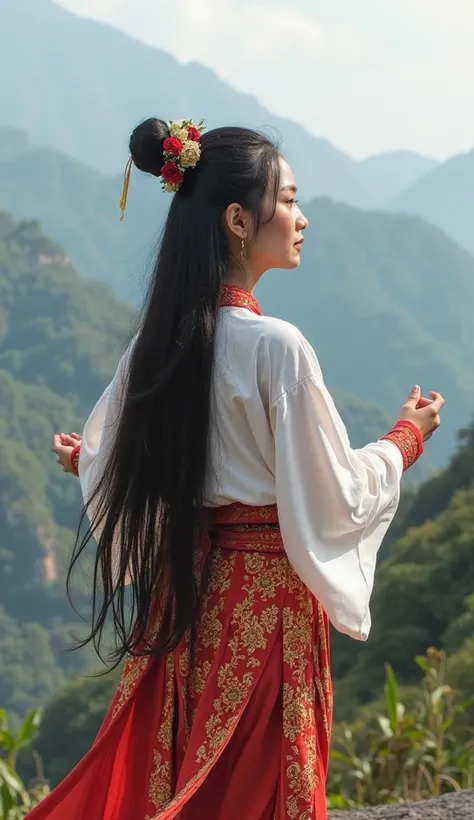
(126, 184)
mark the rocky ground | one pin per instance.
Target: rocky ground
(458, 806)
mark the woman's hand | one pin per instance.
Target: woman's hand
(63, 445)
(422, 412)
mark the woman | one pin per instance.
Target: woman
(232, 517)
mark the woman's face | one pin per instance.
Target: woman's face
(279, 241)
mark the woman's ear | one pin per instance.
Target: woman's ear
(236, 220)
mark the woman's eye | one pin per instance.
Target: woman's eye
(292, 201)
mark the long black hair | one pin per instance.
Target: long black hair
(149, 502)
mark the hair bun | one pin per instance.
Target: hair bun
(146, 145)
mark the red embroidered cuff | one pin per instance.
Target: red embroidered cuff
(416, 430)
(74, 460)
(407, 437)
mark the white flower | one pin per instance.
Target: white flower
(171, 187)
(190, 154)
(177, 130)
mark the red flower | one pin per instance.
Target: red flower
(172, 145)
(194, 134)
(171, 173)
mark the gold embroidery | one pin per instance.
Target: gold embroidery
(249, 637)
(298, 636)
(322, 677)
(160, 790)
(254, 629)
(293, 712)
(211, 626)
(407, 442)
(134, 669)
(237, 297)
(251, 528)
(161, 787)
(75, 460)
(235, 692)
(199, 676)
(257, 546)
(220, 572)
(298, 703)
(165, 733)
(254, 564)
(236, 512)
(184, 666)
(131, 675)
(232, 645)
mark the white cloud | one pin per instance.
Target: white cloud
(455, 15)
(371, 75)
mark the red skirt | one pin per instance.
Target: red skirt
(241, 729)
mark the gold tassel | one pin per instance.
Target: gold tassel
(126, 183)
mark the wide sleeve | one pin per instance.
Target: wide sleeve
(99, 432)
(335, 504)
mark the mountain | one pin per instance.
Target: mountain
(385, 299)
(81, 86)
(79, 206)
(387, 175)
(444, 197)
(60, 339)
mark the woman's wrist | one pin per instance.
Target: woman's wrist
(407, 437)
(74, 460)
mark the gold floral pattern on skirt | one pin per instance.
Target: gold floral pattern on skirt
(255, 609)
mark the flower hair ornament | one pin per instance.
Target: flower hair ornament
(181, 151)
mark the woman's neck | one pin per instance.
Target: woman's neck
(239, 276)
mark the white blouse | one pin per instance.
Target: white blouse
(278, 438)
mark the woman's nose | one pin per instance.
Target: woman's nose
(301, 222)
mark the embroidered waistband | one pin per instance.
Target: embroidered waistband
(247, 529)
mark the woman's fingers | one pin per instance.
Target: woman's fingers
(57, 443)
(70, 439)
(423, 412)
(437, 402)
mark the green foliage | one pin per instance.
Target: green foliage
(405, 754)
(60, 338)
(71, 722)
(16, 799)
(58, 330)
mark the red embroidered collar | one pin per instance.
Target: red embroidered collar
(232, 296)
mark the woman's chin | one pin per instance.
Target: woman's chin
(295, 260)
(292, 261)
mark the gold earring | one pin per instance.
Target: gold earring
(242, 248)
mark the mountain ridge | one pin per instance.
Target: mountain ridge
(48, 43)
(445, 198)
(377, 271)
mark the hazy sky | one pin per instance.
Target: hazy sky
(371, 75)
